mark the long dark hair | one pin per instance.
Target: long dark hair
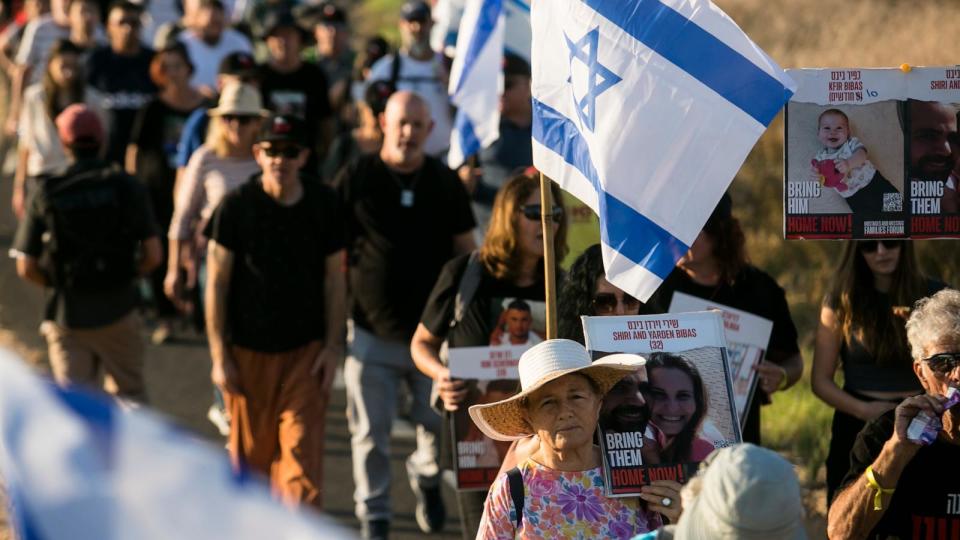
(51, 90)
(864, 314)
(729, 244)
(679, 449)
(576, 295)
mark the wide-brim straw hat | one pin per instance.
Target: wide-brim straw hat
(542, 363)
(746, 493)
(240, 99)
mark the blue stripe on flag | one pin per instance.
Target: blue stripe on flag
(486, 22)
(96, 413)
(469, 143)
(621, 227)
(699, 53)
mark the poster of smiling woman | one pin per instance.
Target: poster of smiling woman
(681, 405)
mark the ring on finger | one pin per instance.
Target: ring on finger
(667, 501)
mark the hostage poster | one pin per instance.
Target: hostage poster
(666, 418)
(872, 153)
(510, 327)
(747, 338)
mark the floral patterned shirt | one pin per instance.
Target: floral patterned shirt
(560, 504)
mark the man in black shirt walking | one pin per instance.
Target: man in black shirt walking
(407, 214)
(275, 309)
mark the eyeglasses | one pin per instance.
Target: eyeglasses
(606, 303)
(944, 363)
(238, 118)
(532, 212)
(284, 151)
(871, 246)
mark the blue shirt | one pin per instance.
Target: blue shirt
(193, 134)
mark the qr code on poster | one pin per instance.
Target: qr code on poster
(892, 202)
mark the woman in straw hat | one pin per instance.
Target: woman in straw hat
(563, 493)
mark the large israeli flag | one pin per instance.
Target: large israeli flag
(77, 468)
(476, 80)
(645, 110)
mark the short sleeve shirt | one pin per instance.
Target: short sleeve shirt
(276, 301)
(926, 502)
(84, 309)
(396, 251)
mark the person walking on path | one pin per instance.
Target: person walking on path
(406, 215)
(275, 309)
(88, 234)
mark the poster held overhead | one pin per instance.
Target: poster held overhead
(872, 153)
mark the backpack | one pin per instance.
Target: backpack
(89, 245)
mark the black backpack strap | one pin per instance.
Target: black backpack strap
(469, 283)
(516, 492)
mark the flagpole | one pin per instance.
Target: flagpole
(549, 266)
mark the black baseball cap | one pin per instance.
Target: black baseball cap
(283, 128)
(276, 19)
(240, 64)
(415, 10)
(515, 65)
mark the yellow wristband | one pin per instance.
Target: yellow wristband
(878, 497)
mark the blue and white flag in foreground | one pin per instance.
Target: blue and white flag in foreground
(76, 468)
(645, 110)
(475, 80)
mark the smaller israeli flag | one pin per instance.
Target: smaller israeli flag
(77, 468)
(645, 110)
(476, 79)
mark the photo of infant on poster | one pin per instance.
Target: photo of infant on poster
(845, 159)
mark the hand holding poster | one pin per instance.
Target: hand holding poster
(689, 406)
(872, 153)
(747, 338)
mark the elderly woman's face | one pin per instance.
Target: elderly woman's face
(563, 412)
(673, 403)
(935, 376)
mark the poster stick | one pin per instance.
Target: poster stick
(549, 267)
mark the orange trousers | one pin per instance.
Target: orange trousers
(277, 421)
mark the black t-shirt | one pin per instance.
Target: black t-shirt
(926, 500)
(481, 315)
(301, 93)
(276, 301)
(397, 251)
(156, 132)
(87, 309)
(753, 291)
(126, 86)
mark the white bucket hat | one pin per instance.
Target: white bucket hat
(542, 363)
(239, 99)
(746, 493)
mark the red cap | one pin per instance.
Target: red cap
(80, 127)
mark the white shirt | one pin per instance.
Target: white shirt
(38, 133)
(206, 58)
(38, 37)
(428, 79)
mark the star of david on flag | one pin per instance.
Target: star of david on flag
(645, 110)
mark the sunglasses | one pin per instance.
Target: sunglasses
(871, 246)
(131, 22)
(284, 151)
(532, 212)
(606, 303)
(944, 363)
(238, 118)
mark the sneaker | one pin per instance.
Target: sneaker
(431, 515)
(218, 417)
(377, 529)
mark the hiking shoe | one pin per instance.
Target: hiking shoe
(218, 417)
(377, 529)
(431, 515)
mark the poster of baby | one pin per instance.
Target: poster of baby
(872, 153)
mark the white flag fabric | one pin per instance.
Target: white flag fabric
(446, 24)
(475, 80)
(77, 468)
(645, 110)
